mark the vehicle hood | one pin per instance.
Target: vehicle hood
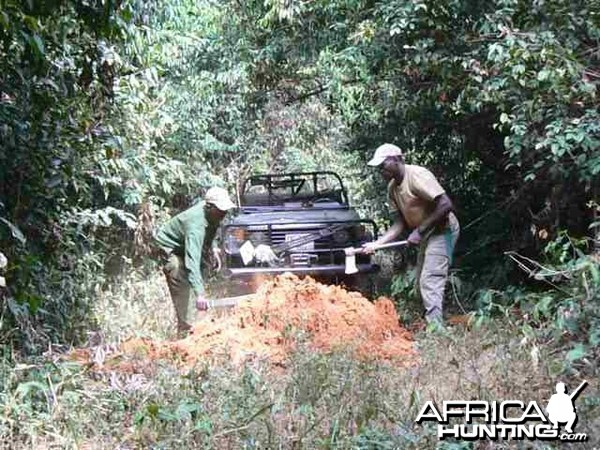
(295, 217)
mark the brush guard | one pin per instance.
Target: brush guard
(324, 257)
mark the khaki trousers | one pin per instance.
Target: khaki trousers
(435, 258)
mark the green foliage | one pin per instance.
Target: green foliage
(55, 86)
(406, 299)
(564, 310)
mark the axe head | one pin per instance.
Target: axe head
(350, 261)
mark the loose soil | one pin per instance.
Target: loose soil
(287, 311)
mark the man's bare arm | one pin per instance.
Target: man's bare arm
(391, 234)
(443, 205)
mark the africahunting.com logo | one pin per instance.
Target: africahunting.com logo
(510, 419)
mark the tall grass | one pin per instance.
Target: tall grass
(135, 304)
(314, 401)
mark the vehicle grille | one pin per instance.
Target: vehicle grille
(278, 237)
(326, 250)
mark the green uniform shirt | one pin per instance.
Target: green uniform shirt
(184, 235)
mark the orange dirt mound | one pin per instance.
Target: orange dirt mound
(284, 310)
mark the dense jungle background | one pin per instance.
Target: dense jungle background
(116, 114)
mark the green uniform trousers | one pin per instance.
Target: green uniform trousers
(180, 290)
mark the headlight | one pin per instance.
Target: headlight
(362, 234)
(258, 238)
(341, 237)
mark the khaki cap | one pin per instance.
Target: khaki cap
(384, 151)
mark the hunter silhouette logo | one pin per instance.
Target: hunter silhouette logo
(510, 419)
(560, 407)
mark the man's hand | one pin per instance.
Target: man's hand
(201, 303)
(369, 247)
(415, 237)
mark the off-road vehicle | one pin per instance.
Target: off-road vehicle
(303, 221)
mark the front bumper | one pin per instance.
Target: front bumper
(331, 269)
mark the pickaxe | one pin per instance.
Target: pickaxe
(351, 253)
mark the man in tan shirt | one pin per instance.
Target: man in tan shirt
(418, 202)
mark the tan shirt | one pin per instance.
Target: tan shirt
(415, 196)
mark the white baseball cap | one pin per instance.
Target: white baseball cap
(220, 198)
(384, 151)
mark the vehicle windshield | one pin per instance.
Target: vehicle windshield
(293, 187)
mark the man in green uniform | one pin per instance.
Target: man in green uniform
(418, 202)
(185, 241)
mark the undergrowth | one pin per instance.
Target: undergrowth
(313, 401)
(516, 346)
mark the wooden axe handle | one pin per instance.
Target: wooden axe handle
(355, 250)
(391, 244)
